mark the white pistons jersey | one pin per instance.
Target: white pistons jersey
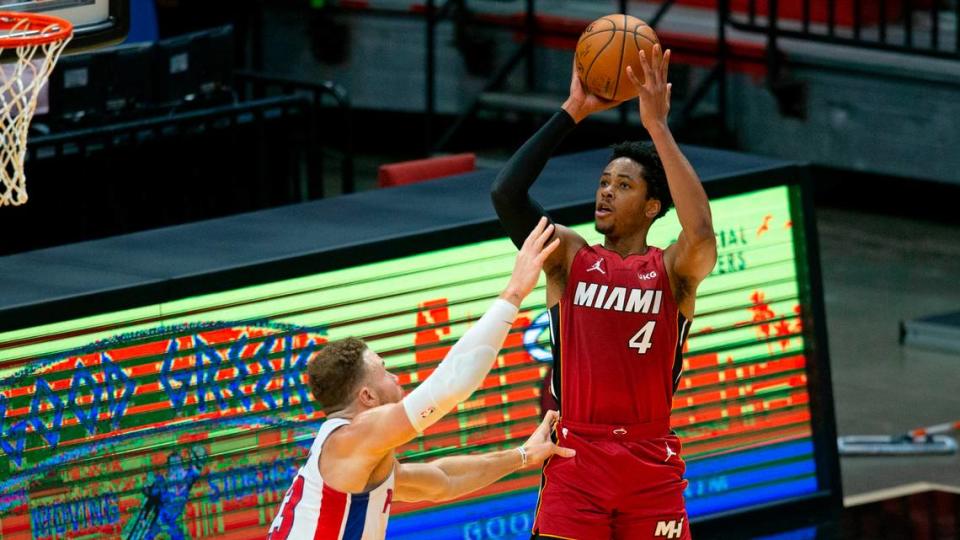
(312, 509)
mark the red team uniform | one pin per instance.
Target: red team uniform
(617, 340)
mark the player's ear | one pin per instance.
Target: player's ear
(367, 397)
(651, 208)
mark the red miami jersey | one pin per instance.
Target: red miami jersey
(617, 338)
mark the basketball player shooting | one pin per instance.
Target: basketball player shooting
(619, 315)
(351, 476)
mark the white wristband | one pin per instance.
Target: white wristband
(523, 456)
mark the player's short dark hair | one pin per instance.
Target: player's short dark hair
(334, 373)
(646, 156)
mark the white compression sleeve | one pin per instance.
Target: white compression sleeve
(463, 369)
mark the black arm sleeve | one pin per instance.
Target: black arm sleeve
(519, 213)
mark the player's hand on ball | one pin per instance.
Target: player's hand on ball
(529, 263)
(654, 90)
(539, 447)
(581, 103)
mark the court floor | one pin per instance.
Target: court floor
(877, 271)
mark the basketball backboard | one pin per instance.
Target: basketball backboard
(97, 23)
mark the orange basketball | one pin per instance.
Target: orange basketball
(606, 48)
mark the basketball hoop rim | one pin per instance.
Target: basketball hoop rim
(59, 29)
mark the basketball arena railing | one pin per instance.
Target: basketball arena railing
(242, 156)
(130, 133)
(531, 28)
(258, 84)
(914, 27)
(534, 28)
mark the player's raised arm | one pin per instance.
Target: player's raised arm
(451, 477)
(692, 258)
(377, 431)
(510, 192)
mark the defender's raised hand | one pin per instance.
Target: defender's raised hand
(529, 263)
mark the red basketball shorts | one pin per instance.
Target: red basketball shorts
(626, 482)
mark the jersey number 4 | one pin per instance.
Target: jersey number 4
(641, 340)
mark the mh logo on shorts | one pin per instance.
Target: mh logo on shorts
(669, 529)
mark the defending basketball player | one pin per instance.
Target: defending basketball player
(620, 313)
(351, 476)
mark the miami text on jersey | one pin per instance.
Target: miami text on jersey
(619, 298)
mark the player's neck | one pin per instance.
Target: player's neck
(635, 244)
(348, 413)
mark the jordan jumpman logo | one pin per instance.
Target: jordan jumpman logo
(596, 266)
(670, 453)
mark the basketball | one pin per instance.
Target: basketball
(606, 48)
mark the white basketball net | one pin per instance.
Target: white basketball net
(20, 85)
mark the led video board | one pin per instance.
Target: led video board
(189, 418)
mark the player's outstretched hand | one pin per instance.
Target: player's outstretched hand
(654, 90)
(526, 269)
(539, 446)
(581, 103)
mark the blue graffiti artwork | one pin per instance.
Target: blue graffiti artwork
(166, 497)
(107, 390)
